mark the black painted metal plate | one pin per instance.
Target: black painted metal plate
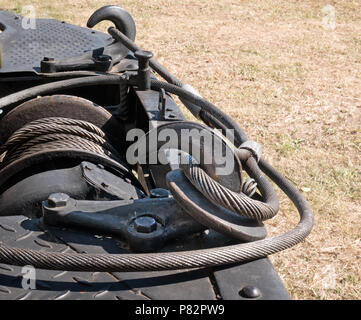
(200, 284)
(23, 49)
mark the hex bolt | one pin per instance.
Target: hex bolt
(57, 200)
(250, 292)
(145, 224)
(159, 193)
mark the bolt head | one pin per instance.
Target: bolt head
(145, 224)
(250, 292)
(56, 200)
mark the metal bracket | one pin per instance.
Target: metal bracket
(146, 224)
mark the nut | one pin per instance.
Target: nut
(56, 200)
(145, 224)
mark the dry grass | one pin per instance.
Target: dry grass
(293, 86)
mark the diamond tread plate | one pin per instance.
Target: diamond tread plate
(202, 284)
(19, 231)
(24, 48)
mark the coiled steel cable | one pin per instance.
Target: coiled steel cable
(53, 134)
(172, 260)
(233, 201)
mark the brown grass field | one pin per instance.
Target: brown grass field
(294, 86)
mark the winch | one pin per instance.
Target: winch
(103, 178)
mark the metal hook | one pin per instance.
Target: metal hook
(119, 16)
